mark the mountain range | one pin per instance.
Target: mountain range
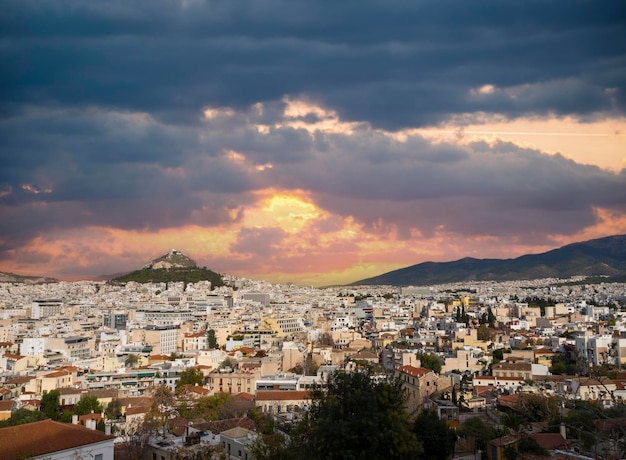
(599, 257)
(6, 277)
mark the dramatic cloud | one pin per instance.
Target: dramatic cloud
(306, 141)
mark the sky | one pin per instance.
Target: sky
(314, 142)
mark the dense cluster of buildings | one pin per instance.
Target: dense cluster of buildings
(272, 344)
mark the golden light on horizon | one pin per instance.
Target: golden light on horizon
(289, 211)
(576, 140)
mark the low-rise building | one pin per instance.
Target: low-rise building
(52, 440)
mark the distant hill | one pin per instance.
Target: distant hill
(600, 257)
(13, 278)
(173, 266)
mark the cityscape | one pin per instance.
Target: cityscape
(312, 230)
(527, 368)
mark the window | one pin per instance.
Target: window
(98, 457)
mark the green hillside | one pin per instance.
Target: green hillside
(172, 275)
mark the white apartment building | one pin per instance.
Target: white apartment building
(163, 316)
(162, 339)
(32, 346)
(342, 323)
(594, 348)
(46, 308)
(290, 325)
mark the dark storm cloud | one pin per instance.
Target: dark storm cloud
(94, 170)
(393, 64)
(101, 112)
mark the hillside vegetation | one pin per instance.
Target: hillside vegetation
(172, 275)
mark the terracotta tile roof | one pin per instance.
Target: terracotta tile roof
(511, 401)
(46, 437)
(69, 391)
(489, 378)
(414, 371)
(511, 366)
(19, 380)
(136, 401)
(96, 417)
(35, 404)
(6, 405)
(54, 375)
(137, 410)
(199, 390)
(68, 368)
(481, 390)
(620, 384)
(158, 357)
(12, 356)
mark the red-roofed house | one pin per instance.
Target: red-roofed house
(54, 441)
(59, 378)
(195, 341)
(419, 383)
(7, 408)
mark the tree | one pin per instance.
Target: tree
(356, 417)
(114, 409)
(436, 437)
(211, 339)
(208, 407)
(485, 333)
(511, 453)
(22, 416)
(50, 404)
(513, 421)
(228, 362)
(529, 445)
(274, 446)
(131, 360)
(491, 318)
(87, 405)
(190, 376)
(477, 430)
(497, 355)
(162, 408)
(430, 362)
